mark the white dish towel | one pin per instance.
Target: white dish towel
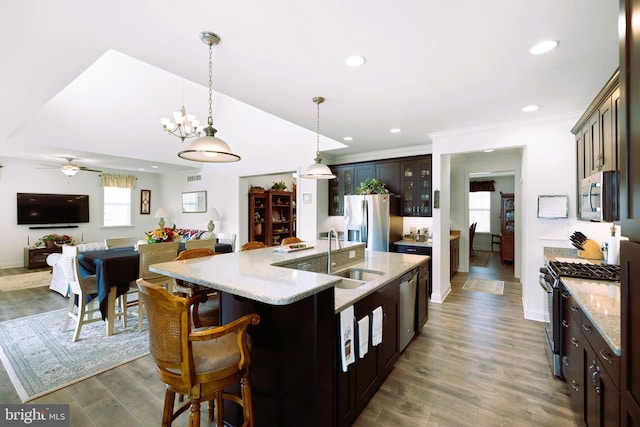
(347, 352)
(363, 336)
(376, 327)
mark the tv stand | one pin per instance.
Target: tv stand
(37, 257)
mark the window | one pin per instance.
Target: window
(480, 210)
(117, 206)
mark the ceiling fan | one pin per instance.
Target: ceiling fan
(70, 169)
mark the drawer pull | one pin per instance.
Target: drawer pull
(412, 250)
(575, 342)
(575, 386)
(606, 356)
(574, 308)
(587, 328)
(564, 323)
(565, 294)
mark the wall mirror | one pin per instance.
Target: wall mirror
(194, 201)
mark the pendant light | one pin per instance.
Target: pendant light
(318, 170)
(208, 148)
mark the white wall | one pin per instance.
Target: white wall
(17, 176)
(547, 167)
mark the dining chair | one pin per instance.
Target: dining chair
(207, 311)
(290, 240)
(201, 363)
(200, 243)
(152, 253)
(228, 238)
(472, 234)
(252, 245)
(84, 289)
(120, 242)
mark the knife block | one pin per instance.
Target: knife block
(591, 250)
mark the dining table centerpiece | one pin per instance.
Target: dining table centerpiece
(162, 235)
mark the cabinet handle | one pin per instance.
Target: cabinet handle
(575, 342)
(574, 308)
(594, 379)
(565, 294)
(564, 323)
(588, 329)
(606, 356)
(412, 250)
(575, 386)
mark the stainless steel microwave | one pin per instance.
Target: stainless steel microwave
(599, 197)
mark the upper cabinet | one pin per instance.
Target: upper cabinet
(408, 178)
(597, 133)
(416, 187)
(597, 136)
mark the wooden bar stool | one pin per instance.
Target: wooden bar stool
(201, 363)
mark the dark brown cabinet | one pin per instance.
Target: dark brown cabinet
(590, 368)
(271, 216)
(629, 114)
(572, 352)
(412, 185)
(37, 257)
(423, 296)
(507, 227)
(363, 378)
(416, 187)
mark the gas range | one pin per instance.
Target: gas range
(606, 272)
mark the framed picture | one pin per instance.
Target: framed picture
(145, 202)
(194, 201)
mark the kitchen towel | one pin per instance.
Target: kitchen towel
(363, 336)
(376, 327)
(346, 338)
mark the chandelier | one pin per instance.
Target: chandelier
(208, 148)
(318, 170)
(183, 125)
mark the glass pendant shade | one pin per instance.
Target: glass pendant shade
(209, 149)
(318, 171)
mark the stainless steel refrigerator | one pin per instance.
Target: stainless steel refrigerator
(373, 219)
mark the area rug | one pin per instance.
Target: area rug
(24, 281)
(40, 358)
(484, 285)
(482, 259)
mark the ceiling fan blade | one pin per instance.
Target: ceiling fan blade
(86, 169)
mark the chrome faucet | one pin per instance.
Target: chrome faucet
(335, 233)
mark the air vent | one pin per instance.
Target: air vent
(194, 178)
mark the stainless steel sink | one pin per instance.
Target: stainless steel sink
(350, 284)
(359, 274)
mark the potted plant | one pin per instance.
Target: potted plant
(372, 186)
(279, 186)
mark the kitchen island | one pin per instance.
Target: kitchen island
(295, 357)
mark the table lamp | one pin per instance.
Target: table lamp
(161, 213)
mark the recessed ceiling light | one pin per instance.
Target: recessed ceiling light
(530, 108)
(348, 138)
(543, 47)
(154, 166)
(395, 130)
(355, 61)
(140, 169)
(488, 151)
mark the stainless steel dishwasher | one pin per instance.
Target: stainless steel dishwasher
(408, 282)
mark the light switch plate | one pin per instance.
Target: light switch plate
(352, 254)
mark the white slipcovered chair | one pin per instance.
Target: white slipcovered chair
(58, 282)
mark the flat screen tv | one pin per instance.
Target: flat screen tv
(52, 208)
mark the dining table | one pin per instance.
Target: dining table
(115, 269)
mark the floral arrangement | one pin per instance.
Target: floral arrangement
(162, 235)
(50, 240)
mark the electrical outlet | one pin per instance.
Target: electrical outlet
(352, 254)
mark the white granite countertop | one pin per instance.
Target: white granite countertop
(599, 300)
(251, 274)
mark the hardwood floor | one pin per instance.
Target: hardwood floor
(477, 362)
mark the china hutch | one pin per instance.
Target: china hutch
(507, 227)
(272, 216)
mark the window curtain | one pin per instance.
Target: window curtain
(120, 181)
(482, 186)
